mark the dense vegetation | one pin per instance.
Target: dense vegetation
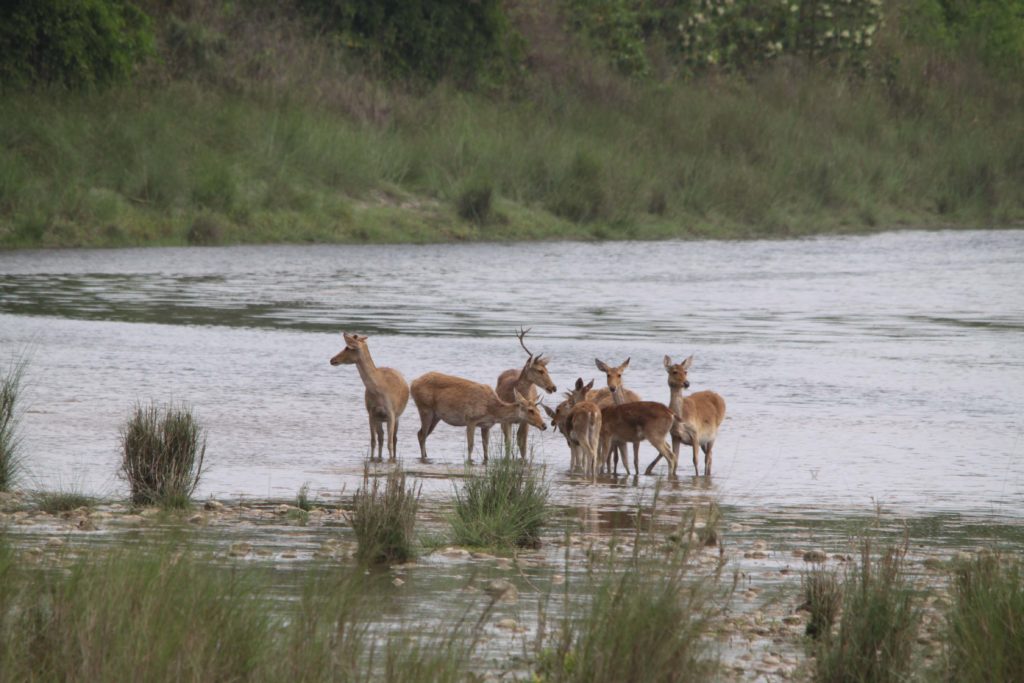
(199, 122)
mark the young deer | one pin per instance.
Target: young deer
(534, 373)
(463, 403)
(615, 394)
(387, 393)
(579, 420)
(700, 415)
(634, 422)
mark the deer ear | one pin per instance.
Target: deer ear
(579, 383)
(360, 337)
(350, 340)
(589, 386)
(668, 362)
(625, 365)
(519, 397)
(600, 365)
(688, 362)
(548, 410)
(541, 360)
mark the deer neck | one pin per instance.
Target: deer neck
(522, 384)
(501, 411)
(675, 399)
(619, 395)
(369, 372)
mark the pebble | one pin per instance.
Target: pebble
(455, 552)
(54, 542)
(509, 624)
(131, 519)
(150, 512)
(557, 579)
(501, 589)
(213, 505)
(288, 555)
(196, 519)
(815, 556)
(240, 549)
(85, 524)
(397, 582)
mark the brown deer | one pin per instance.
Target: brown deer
(633, 422)
(534, 373)
(615, 393)
(387, 393)
(579, 420)
(464, 403)
(700, 415)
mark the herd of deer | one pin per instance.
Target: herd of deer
(595, 423)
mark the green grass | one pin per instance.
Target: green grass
(162, 454)
(384, 518)
(985, 622)
(822, 599)
(55, 502)
(503, 507)
(10, 442)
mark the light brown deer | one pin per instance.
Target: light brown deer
(387, 393)
(614, 394)
(464, 403)
(635, 422)
(700, 415)
(579, 420)
(534, 373)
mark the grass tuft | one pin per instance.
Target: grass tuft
(384, 519)
(56, 502)
(822, 598)
(162, 455)
(10, 442)
(985, 622)
(504, 507)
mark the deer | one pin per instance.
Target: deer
(700, 415)
(615, 393)
(634, 422)
(387, 393)
(534, 373)
(579, 420)
(464, 403)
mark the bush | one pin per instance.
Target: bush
(985, 622)
(580, 196)
(504, 507)
(878, 625)
(384, 519)
(822, 598)
(474, 203)
(10, 443)
(162, 455)
(73, 43)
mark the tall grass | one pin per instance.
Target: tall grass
(162, 454)
(10, 442)
(384, 518)
(504, 507)
(985, 622)
(822, 598)
(878, 626)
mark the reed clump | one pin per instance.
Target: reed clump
(504, 507)
(162, 451)
(56, 502)
(10, 443)
(823, 597)
(985, 622)
(384, 518)
(878, 625)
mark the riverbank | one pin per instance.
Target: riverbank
(728, 158)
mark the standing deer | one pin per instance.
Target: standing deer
(700, 415)
(387, 393)
(614, 394)
(633, 422)
(463, 403)
(534, 373)
(579, 420)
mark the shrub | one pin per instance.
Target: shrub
(474, 203)
(580, 195)
(504, 507)
(10, 442)
(73, 43)
(985, 622)
(162, 455)
(822, 598)
(878, 624)
(206, 230)
(384, 518)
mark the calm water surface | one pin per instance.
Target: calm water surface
(857, 370)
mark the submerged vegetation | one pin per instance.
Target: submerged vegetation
(306, 121)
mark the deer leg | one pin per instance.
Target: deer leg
(707, 457)
(485, 435)
(506, 431)
(521, 436)
(636, 458)
(696, 449)
(665, 452)
(373, 435)
(470, 429)
(427, 423)
(380, 439)
(392, 437)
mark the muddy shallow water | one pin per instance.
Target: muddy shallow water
(884, 369)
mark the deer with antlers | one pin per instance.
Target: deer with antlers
(579, 420)
(700, 415)
(464, 403)
(534, 373)
(615, 394)
(387, 393)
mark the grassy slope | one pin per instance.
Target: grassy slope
(790, 153)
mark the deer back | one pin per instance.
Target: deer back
(636, 421)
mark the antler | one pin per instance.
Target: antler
(522, 333)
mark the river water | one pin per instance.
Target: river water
(884, 369)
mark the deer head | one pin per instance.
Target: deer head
(354, 346)
(580, 391)
(527, 411)
(677, 372)
(536, 368)
(614, 373)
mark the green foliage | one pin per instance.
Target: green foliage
(10, 443)
(991, 29)
(822, 598)
(73, 43)
(613, 28)
(384, 519)
(474, 202)
(55, 502)
(162, 453)
(985, 622)
(504, 507)
(466, 42)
